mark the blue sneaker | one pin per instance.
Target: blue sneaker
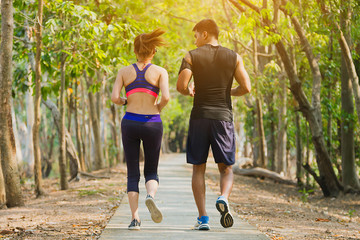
(202, 223)
(222, 206)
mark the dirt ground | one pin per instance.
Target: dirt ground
(81, 212)
(281, 212)
(275, 209)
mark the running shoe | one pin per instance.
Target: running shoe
(134, 225)
(155, 212)
(202, 223)
(222, 206)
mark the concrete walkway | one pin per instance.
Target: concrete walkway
(175, 199)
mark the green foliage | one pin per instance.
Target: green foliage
(97, 36)
(305, 194)
(351, 213)
(171, 113)
(83, 192)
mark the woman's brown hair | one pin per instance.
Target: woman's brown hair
(145, 44)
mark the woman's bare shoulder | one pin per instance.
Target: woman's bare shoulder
(159, 69)
(126, 69)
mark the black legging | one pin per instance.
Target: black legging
(151, 134)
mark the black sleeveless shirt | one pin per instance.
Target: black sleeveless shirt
(213, 68)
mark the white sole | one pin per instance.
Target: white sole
(134, 228)
(203, 227)
(155, 212)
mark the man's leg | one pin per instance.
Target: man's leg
(226, 179)
(222, 205)
(198, 187)
(223, 146)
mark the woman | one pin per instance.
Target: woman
(142, 81)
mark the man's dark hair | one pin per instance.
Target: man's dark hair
(209, 26)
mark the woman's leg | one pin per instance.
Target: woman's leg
(131, 144)
(134, 205)
(152, 136)
(151, 187)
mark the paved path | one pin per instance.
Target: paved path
(175, 199)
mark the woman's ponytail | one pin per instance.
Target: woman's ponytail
(145, 43)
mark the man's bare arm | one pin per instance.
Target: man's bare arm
(242, 77)
(184, 78)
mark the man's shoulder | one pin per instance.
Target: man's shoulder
(193, 50)
(228, 50)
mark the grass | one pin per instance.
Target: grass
(90, 192)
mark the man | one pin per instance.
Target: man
(211, 120)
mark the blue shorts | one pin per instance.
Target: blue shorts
(204, 133)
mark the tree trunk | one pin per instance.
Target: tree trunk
(298, 150)
(259, 117)
(18, 156)
(36, 141)
(7, 141)
(90, 144)
(102, 118)
(307, 156)
(114, 134)
(84, 135)
(95, 126)
(62, 155)
(314, 66)
(329, 97)
(70, 104)
(2, 187)
(70, 147)
(255, 139)
(78, 132)
(30, 66)
(272, 142)
(262, 142)
(329, 183)
(349, 175)
(281, 137)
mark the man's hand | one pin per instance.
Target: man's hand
(191, 88)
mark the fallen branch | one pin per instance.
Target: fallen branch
(262, 172)
(93, 176)
(244, 162)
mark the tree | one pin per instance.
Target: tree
(349, 176)
(327, 180)
(62, 141)
(7, 141)
(95, 121)
(2, 187)
(37, 116)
